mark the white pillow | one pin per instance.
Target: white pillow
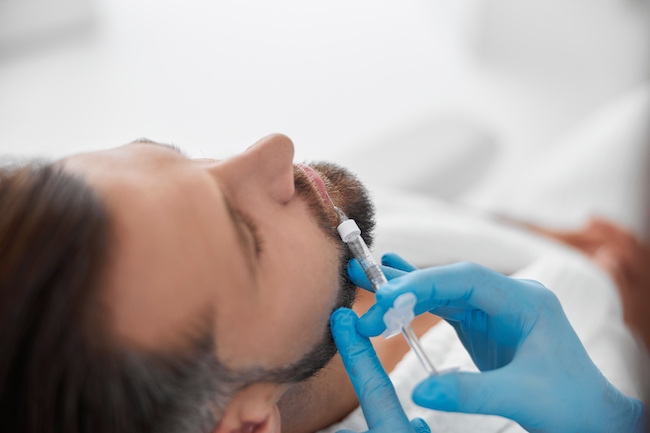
(598, 168)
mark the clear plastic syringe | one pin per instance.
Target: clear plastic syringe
(351, 235)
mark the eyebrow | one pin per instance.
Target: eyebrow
(238, 222)
(168, 146)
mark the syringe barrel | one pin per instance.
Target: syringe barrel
(367, 262)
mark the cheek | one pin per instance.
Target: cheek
(298, 289)
(297, 286)
(305, 286)
(287, 313)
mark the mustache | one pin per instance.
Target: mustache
(346, 192)
(307, 191)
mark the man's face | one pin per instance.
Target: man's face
(247, 245)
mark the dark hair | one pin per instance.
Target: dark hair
(58, 370)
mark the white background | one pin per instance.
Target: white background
(214, 76)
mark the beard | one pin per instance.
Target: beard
(349, 194)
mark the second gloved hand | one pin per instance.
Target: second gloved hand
(534, 368)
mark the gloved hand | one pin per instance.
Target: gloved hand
(377, 397)
(534, 368)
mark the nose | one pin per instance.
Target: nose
(266, 166)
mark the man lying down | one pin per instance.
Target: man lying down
(144, 291)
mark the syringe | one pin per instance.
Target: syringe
(351, 235)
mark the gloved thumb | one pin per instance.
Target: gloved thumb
(481, 393)
(419, 426)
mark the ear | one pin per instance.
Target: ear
(253, 409)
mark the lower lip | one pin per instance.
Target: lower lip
(317, 181)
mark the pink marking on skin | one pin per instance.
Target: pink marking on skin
(317, 181)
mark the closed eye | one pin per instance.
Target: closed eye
(253, 229)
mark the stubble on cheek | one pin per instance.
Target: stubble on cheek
(348, 193)
(351, 196)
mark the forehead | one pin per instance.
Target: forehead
(172, 237)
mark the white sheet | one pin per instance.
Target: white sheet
(429, 232)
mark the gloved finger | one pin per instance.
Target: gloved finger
(372, 323)
(462, 285)
(419, 426)
(359, 278)
(376, 393)
(490, 393)
(395, 261)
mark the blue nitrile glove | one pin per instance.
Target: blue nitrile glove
(377, 397)
(392, 266)
(534, 368)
